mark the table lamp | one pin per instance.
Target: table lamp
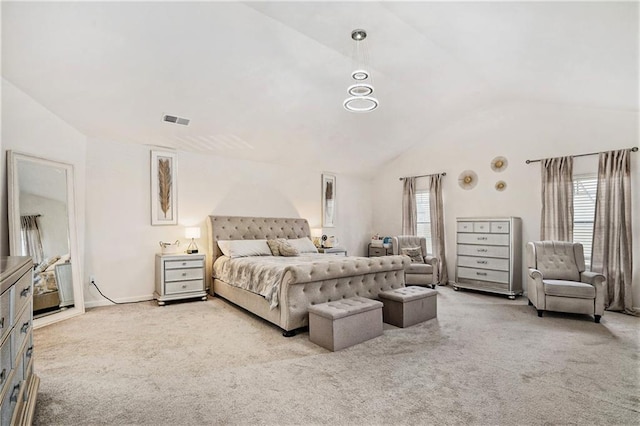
(193, 233)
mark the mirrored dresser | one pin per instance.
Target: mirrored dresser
(18, 383)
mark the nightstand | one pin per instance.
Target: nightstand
(379, 251)
(179, 276)
(338, 251)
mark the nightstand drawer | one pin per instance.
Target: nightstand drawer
(183, 274)
(178, 264)
(377, 251)
(184, 286)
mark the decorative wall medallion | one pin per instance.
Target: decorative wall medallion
(499, 164)
(501, 185)
(467, 179)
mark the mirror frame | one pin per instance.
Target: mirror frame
(13, 207)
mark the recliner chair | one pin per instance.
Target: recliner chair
(557, 280)
(425, 274)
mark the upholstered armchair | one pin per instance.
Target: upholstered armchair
(423, 269)
(557, 280)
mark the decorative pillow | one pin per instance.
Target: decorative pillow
(303, 245)
(244, 248)
(415, 253)
(282, 247)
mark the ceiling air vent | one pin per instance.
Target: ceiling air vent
(175, 120)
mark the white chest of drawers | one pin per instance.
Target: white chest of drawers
(18, 384)
(489, 255)
(179, 276)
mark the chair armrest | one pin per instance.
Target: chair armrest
(593, 278)
(535, 289)
(597, 280)
(535, 274)
(433, 261)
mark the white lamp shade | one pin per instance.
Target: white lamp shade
(316, 232)
(192, 232)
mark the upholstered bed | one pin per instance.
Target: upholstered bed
(307, 281)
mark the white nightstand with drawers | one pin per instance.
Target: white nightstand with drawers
(489, 255)
(179, 276)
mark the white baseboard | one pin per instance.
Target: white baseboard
(105, 302)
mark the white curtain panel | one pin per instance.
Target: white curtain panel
(612, 245)
(409, 209)
(556, 222)
(437, 226)
(31, 240)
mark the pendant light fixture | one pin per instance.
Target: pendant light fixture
(360, 91)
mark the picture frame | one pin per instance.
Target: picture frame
(328, 200)
(164, 184)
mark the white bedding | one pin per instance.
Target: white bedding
(262, 274)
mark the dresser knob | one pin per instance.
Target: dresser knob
(184, 286)
(481, 273)
(24, 327)
(184, 274)
(2, 323)
(184, 263)
(3, 376)
(25, 291)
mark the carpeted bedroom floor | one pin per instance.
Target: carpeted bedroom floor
(484, 360)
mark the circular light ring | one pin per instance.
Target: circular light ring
(360, 89)
(360, 75)
(360, 103)
(358, 34)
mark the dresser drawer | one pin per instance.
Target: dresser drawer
(5, 359)
(183, 274)
(22, 292)
(465, 226)
(483, 275)
(20, 332)
(178, 264)
(484, 263)
(5, 312)
(481, 227)
(377, 251)
(183, 286)
(488, 251)
(484, 239)
(499, 227)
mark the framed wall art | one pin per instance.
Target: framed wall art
(328, 201)
(164, 197)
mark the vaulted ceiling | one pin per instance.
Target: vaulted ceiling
(266, 80)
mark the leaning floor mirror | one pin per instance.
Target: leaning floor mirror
(42, 225)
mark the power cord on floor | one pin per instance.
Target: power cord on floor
(112, 301)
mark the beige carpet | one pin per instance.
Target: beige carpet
(485, 360)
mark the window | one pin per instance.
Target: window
(424, 216)
(584, 212)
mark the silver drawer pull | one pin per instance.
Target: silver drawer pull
(29, 352)
(25, 291)
(184, 286)
(2, 323)
(184, 263)
(24, 327)
(3, 376)
(184, 274)
(482, 238)
(15, 393)
(482, 250)
(482, 262)
(481, 273)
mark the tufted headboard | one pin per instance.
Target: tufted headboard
(252, 228)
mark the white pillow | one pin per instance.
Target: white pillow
(244, 248)
(303, 245)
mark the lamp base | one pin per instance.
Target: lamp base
(193, 247)
(195, 251)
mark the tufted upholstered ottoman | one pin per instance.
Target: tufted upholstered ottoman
(343, 323)
(404, 307)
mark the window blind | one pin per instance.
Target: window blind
(584, 211)
(424, 217)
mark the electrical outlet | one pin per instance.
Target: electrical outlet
(92, 279)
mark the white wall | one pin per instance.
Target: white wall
(121, 243)
(518, 131)
(29, 128)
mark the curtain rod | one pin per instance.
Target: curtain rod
(634, 149)
(432, 174)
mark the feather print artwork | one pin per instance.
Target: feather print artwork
(164, 184)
